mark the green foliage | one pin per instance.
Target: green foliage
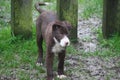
(11, 45)
(113, 44)
(4, 12)
(110, 47)
(16, 53)
(71, 50)
(91, 7)
(107, 47)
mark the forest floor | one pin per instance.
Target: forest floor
(91, 67)
(78, 66)
(83, 65)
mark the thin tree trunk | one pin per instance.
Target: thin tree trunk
(21, 18)
(111, 18)
(68, 10)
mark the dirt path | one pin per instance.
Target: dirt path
(91, 68)
(87, 34)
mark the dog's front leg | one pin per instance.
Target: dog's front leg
(61, 57)
(40, 50)
(49, 65)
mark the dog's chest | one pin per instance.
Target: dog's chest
(57, 48)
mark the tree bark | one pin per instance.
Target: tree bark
(68, 10)
(111, 18)
(21, 18)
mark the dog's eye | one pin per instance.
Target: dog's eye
(56, 27)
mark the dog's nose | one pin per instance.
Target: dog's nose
(66, 43)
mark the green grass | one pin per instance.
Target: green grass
(90, 8)
(107, 47)
(18, 56)
(4, 12)
(16, 53)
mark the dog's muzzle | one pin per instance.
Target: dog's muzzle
(65, 41)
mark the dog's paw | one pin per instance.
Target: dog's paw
(39, 64)
(61, 76)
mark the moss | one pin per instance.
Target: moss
(22, 18)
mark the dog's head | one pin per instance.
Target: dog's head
(60, 32)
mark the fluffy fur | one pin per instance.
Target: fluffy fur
(55, 33)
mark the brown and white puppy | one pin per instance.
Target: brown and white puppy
(55, 33)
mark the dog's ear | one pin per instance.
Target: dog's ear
(53, 26)
(50, 27)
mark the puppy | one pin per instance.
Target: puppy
(55, 33)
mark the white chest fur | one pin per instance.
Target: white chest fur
(57, 48)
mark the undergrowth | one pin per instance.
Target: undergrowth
(16, 53)
(91, 8)
(106, 47)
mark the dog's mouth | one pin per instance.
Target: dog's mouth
(64, 42)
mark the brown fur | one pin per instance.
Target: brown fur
(47, 27)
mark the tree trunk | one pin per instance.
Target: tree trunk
(21, 18)
(68, 10)
(111, 18)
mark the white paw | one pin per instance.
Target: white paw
(39, 64)
(61, 76)
(47, 3)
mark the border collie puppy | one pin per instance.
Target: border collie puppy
(55, 33)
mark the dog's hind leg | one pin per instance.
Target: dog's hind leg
(40, 50)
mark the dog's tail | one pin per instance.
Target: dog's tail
(37, 6)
